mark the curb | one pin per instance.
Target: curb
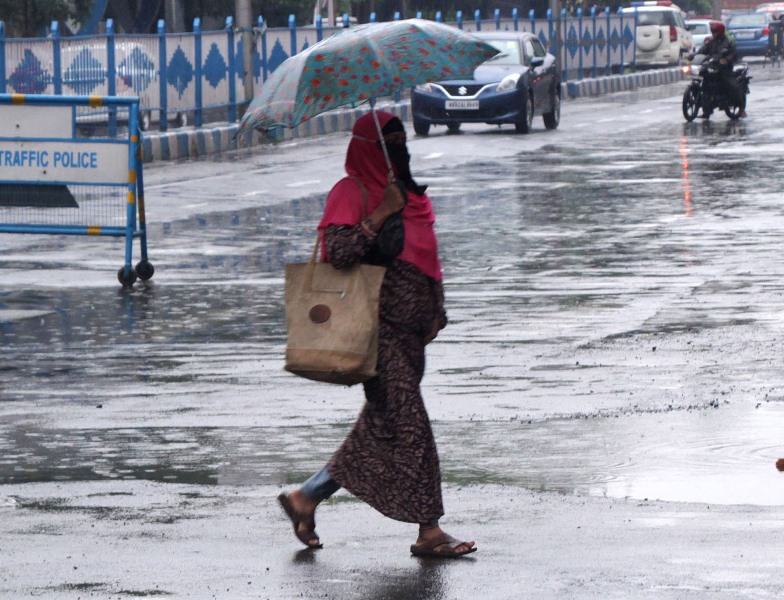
(599, 86)
(194, 143)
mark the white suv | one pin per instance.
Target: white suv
(662, 38)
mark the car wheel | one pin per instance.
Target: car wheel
(552, 119)
(524, 125)
(691, 105)
(453, 127)
(145, 120)
(421, 127)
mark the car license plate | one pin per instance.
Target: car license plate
(744, 35)
(462, 104)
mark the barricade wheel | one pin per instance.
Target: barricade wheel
(127, 280)
(144, 269)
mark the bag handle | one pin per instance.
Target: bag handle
(307, 282)
(363, 189)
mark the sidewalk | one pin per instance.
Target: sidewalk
(221, 137)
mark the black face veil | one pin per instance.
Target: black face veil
(399, 156)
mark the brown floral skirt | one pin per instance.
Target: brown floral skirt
(389, 458)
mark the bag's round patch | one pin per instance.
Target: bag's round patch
(320, 313)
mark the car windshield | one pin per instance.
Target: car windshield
(697, 28)
(748, 21)
(510, 52)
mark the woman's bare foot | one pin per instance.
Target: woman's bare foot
(302, 512)
(434, 541)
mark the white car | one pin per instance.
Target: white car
(699, 29)
(662, 38)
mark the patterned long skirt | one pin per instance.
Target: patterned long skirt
(389, 459)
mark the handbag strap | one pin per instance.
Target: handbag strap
(363, 189)
(307, 282)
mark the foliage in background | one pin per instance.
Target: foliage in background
(31, 18)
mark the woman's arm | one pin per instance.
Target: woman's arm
(346, 244)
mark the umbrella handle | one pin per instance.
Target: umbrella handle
(391, 175)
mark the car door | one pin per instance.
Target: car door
(541, 74)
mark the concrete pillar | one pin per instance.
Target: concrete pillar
(718, 5)
(244, 16)
(555, 10)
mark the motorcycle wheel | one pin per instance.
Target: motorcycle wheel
(691, 105)
(735, 111)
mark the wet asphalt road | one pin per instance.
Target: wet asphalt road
(614, 290)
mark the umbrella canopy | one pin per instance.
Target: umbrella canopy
(361, 63)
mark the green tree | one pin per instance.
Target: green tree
(275, 12)
(30, 18)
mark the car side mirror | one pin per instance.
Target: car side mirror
(537, 61)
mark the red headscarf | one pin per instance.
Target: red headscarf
(365, 161)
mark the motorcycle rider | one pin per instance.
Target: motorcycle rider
(720, 46)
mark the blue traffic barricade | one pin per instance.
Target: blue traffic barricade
(72, 165)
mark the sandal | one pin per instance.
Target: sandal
(308, 535)
(441, 546)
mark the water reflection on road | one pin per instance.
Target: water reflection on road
(636, 285)
(688, 457)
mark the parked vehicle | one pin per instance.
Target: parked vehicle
(661, 38)
(512, 87)
(704, 85)
(699, 30)
(776, 9)
(750, 32)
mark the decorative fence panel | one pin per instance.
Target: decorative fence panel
(215, 69)
(30, 66)
(180, 72)
(137, 66)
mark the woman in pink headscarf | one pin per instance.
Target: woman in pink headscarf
(389, 459)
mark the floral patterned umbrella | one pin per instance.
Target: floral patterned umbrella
(360, 64)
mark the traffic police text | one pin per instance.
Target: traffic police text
(68, 159)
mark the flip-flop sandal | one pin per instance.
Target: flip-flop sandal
(307, 535)
(442, 546)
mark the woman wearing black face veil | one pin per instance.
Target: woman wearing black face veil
(389, 459)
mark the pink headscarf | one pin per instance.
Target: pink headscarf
(365, 161)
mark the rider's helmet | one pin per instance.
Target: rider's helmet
(717, 28)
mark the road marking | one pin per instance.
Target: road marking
(303, 183)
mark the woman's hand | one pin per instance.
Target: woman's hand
(394, 201)
(433, 331)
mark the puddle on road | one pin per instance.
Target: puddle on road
(716, 456)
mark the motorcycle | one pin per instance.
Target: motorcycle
(705, 84)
